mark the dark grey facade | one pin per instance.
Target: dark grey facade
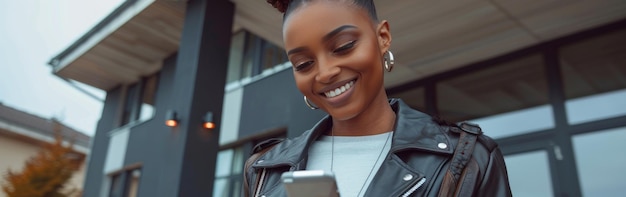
(275, 102)
(179, 162)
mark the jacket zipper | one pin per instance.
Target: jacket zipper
(260, 185)
(414, 188)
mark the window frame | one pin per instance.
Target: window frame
(132, 99)
(120, 180)
(247, 144)
(253, 53)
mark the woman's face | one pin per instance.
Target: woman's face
(336, 51)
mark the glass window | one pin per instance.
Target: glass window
(220, 188)
(133, 183)
(228, 172)
(235, 58)
(413, 97)
(529, 174)
(250, 55)
(594, 75)
(499, 126)
(224, 163)
(128, 113)
(140, 100)
(125, 183)
(116, 184)
(238, 161)
(600, 161)
(511, 95)
(272, 55)
(596, 107)
(148, 96)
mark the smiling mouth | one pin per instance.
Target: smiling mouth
(340, 90)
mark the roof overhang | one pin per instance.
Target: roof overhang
(429, 37)
(128, 44)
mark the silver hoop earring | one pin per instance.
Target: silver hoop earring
(389, 61)
(308, 103)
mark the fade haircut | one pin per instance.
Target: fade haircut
(288, 6)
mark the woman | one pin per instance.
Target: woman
(373, 145)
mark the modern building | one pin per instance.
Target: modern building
(23, 135)
(546, 79)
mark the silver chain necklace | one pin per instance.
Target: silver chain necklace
(332, 157)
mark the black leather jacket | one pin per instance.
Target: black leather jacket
(415, 165)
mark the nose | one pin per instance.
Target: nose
(327, 72)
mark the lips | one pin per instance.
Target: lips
(339, 90)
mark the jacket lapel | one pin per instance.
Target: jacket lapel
(294, 152)
(416, 130)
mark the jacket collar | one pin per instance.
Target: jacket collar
(414, 130)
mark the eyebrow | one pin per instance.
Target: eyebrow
(296, 50)
(326, 37)
(334, 32)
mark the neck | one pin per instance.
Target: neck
(376, 119)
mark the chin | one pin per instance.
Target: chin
(344, 113)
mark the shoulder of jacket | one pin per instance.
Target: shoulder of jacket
(266, 144)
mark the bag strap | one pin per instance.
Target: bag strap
(462, 154)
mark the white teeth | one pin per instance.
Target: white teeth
(339, 90)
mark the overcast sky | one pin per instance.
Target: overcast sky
(31, 33)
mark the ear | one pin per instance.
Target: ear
(384, 36)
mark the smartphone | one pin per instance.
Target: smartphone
(310, 183)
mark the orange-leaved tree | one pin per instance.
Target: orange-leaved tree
(45, 174)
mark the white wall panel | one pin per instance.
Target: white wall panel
(117, 150)
(231, 115)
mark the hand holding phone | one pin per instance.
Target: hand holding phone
(310, 183)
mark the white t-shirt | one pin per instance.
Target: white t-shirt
(353, 160)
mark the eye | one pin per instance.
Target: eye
(303, 65)
(345, 47)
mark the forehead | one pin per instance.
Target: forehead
(315, 19)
